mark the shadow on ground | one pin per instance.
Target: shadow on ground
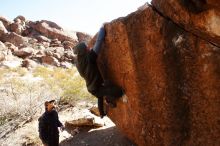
(103, 137)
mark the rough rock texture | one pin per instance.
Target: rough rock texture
(17, 28)
(14, 38)
(21, 18)
(171, 78)
(2, 51)
(83, 37)
(52, 30)
(11, 46)
(5, 21)
(50, 60)
(24, 52)
(3, 30)
(201, 17)
(213, 3)
(28, 63)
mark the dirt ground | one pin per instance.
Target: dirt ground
(108, 135)
(27, 134)
(103, 137)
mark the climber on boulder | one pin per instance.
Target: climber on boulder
(87, 67)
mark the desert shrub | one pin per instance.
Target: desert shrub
(3, 120)
(22, 97)
(24, 92)
(67, 81)
(6, 118)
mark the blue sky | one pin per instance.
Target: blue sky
(79, 15)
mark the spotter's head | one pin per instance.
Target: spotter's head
(50, 105)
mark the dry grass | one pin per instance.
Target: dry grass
(23, 92)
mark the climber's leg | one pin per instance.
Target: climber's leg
(110, 92)
(99, 40)
(101, 107)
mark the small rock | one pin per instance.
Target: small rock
(95, 111)
(24, 52)
(50, 60)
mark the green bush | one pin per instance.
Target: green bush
(71, 86)
(25, 95)
(3, 120)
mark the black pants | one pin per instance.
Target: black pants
(54, 141)
(110, 92)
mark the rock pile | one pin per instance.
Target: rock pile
(43, 42)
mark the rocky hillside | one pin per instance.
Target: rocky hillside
(167, 58)
(36, 65)
(26, 43)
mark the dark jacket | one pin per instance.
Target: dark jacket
(88, 69)
(48, 127)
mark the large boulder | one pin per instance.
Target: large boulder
(24, 52)
(171, 79)
(3, 30)
(51, 50)
(5, 21)
(28, 63)
(50, 60)
(11, 62)
(55, 43)
(11, 46)
(17, 28)
(68, 45)
(14, 38)
(20, 18)
(83, 37)
(201, 17)
(3, 52)
(52, 31)
(19, 25)
(42, 38)
(70, 55)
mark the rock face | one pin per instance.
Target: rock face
(52, 30)
(83, 37)
(24, 52)
(14, 38)
(3, 30)
(171, 78)
(201, 17)
(5, 21)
